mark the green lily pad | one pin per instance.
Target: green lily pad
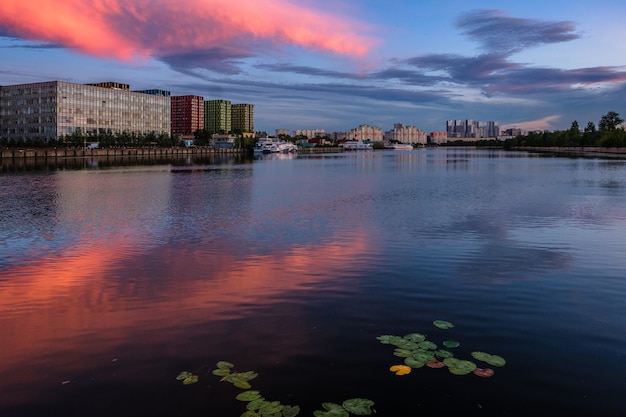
(271, 408)
(402, 353)
(406, 344)
(459, 366)
(442, 324)
(225, 365)
(442, 353)
(291, 411)
(493, 360)
(423, 355)
(257, 404)
(191, 379)
(359, 406)
(183, 375)
(427, 344)
(248, 375)
(248, 395)
(331, 410)
(415, 337)
(451, 343)
(414, 363)
(386, 339)
(242, 384)
(250, 413)
(221, 372)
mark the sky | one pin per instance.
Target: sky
(338, 64)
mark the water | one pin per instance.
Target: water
(114, 279)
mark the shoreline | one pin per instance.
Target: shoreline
(591, 150)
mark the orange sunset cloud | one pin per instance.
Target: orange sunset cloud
(140, 29)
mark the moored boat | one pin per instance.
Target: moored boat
(399, 146)
(356, 145)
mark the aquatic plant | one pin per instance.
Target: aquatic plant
(259, 406)
(418, 352)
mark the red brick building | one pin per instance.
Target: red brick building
(187, 115)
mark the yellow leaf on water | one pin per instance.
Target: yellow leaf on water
(400, 369)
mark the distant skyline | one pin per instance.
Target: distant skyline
(334, 65)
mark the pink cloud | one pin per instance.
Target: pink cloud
(132, 29)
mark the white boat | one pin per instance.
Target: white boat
(274, 145)
(356, 145)
(399, 146)
(287, 147)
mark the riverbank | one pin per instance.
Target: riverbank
(61, 153)
(571, 150)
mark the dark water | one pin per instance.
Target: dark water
(114, 279)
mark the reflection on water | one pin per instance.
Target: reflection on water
(113, 280)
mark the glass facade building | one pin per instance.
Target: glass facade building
(51, 110)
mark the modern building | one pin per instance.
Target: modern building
(242, 118)
(217, 116)
(469, 128)
(54, 109)
(187, 115)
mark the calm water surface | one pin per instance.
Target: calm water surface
(114, 279)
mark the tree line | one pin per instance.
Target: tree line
(609, 133)
(105, 138)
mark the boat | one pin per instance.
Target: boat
(356, 145)
(274, 145)
(263, 145)
(399, 146)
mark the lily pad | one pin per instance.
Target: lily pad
(406, 344)
(291, 411)
(225, 365)
(248, 395)
(435, 364)
(183, 375)
(331, 410)
(442, 353)
(271, 408)
(451, 344)
(359, 406)
(386, 339)
(423, 355)
(191, 379)
(257, 404)
(484, 372)
(442, 324)
(415, 337)
(427, 344)
(221, 372)
(414, 363)
(459, 366)
(402, 353)
(493, 360)
(400, 369)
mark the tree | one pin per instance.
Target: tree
(610, 122)
(574, 134)
(590, 135)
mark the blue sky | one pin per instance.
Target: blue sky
(335, 65)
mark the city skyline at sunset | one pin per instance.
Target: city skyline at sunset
(336, 65)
